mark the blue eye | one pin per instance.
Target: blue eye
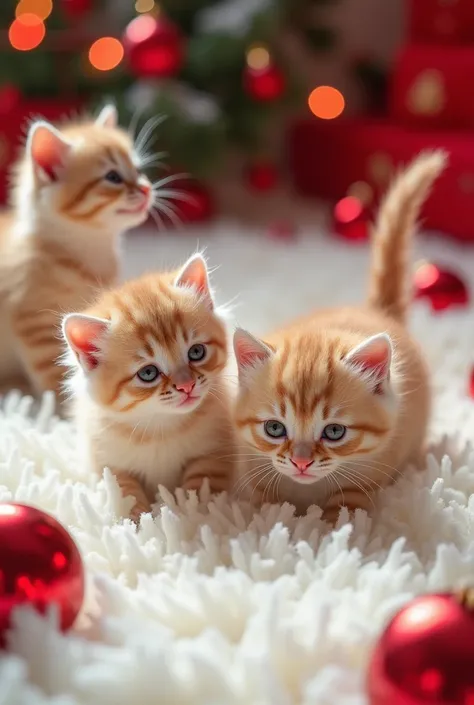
(148, 374)
(197, 352)
(113, 177)
(274, 429)
(334, 432)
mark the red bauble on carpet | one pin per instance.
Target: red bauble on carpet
(440, 286)
(154, 47)
(40, 565)
(426, 654)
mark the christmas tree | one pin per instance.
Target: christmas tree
(213, 67)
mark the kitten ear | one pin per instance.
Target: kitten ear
(108, 116)
(373, 358)
(48, 150)
(249, 351)
(85, 336)
(194, 274)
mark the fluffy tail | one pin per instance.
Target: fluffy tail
(396, 221)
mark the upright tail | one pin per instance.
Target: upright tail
(396, 221)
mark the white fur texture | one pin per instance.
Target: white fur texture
(207, 604)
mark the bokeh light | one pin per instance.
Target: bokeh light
(362, 191)
(41, 8)
(348, 209)
(140, 29)
(258, 58)
(144, 5)
(326, 102)
(106, 53)
(26, 32)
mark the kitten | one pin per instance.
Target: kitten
(148, 385)
(333, 406)
(74, 191)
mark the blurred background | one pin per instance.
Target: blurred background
(273, 106)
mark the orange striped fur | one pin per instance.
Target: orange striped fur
(58, 246)
(332, 407)
(173, 429)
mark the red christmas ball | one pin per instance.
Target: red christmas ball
(440, 286)
(39, 565)
(351, 219)
(471, 384)
(154, 47)
(261, 176)
(10, 98)
(264, 84)
(76, 8)
(426, 654)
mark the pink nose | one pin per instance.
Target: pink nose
(144, 189)
(302, 463)
(186, 387)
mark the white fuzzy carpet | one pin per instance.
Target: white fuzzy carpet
(207, 604)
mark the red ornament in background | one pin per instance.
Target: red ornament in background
(441, 287)
(198, 206)
(39, 565)
(10, 98)
(261, 176)
(351, 219)
(471, 384)
(76, 8)
(426, 654)
(154, 47)
(262, 79)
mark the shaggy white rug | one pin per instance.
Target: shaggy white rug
(207, 604)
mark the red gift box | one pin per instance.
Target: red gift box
(441, 21)
(13, 127)
(327, 158)
(431, 87)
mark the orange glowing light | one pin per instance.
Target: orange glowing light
(426, 275)
(258, 58)
(144, 5)
(348, 209)
(106, 53)
(26, 32)
(41, 8)
(326, 102)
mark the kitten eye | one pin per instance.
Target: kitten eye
(113, 177)
(197, 352)
(334, 432)
(148, 374)
(274, 428)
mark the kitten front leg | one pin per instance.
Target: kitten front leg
(217, 470)
(36, 332)
(351, 498)
(130, 486)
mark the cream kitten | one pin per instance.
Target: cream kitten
(333, 406)
(75, 190)
(148, 386)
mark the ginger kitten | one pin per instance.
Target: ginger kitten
(333, 406)
(148, 387)
(75, 190)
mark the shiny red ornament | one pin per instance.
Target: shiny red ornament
(262, 176)
(442, 287)
(75, 9)
(471, 384)
(426, 654)
(154, 47)
(282, 230)
(351, 219)
(39, 565)
(264, 84)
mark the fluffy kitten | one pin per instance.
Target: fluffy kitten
(75, 190)
(333, 406)
(148, 384)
